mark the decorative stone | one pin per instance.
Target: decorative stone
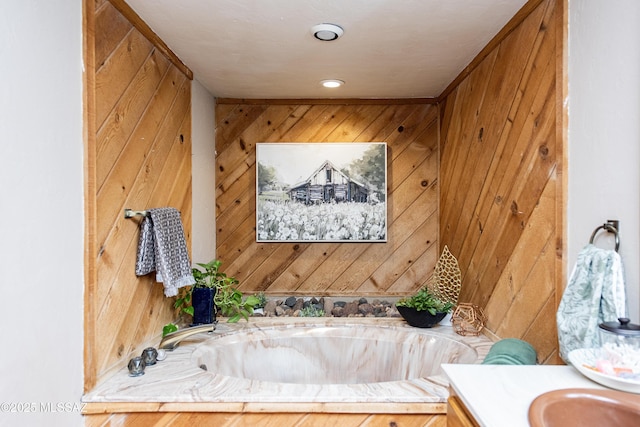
(379, 310)
(357, 308)
(270, 308)
(290, 302)
(327, 305)
(351, 309)
(392, 311)
(365, 309)
(337, 311)
(299, 304)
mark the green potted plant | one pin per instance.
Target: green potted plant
(214, 289)
(423, 309)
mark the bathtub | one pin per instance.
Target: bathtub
(299, 364)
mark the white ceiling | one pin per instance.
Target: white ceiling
(265, 49)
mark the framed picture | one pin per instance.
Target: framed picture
(321, 192)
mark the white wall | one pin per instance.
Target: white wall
(604, 130)
(203, 188)
(41, 211)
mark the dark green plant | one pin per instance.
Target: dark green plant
(425, 300)
(262, 300)
(183, 300)
(169, 328)
(228, 298)
(311, 311)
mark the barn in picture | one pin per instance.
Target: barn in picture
(327, 184)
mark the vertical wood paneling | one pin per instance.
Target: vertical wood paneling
(141, 142)
(89, 137)
(338, 269)
(499, 196)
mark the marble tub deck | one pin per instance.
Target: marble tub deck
(179, 384)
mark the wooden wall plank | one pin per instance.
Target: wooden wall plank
(499, 158)
(527, 172)
(142, 135)
(146, 31)
(89, 138)
(380, 280)
(562, 131)
(168, 174)
(411, 132)
(540, 230)
(224, 419)
(469, 140)
(511, 63)
(496, 198)
(515, 22)
(118, 127)
(111, 28)
(125, 170)
(113, 77)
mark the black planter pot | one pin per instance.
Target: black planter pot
(203, 308)
(420, 319)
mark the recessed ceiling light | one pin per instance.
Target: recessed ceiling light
(332, 83)
(327, 32)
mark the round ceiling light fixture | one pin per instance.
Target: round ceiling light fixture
(327, 32)
(331, 83)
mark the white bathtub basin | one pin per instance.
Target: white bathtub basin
(340, 354)
(299, 364)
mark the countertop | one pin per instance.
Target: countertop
(500, 395)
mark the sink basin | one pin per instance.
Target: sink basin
(585, 407)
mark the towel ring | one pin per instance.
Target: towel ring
(610, 226)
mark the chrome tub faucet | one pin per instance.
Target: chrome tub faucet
(172, 340)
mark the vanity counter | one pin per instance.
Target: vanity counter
(500, 395)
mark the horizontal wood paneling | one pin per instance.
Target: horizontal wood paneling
(499, 199)
(397, 267)
(189, 419)
(141, 156)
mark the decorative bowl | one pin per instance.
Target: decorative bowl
(420, 319)
(585, 361)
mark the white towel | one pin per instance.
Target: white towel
(163, 248)
(595, 294)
